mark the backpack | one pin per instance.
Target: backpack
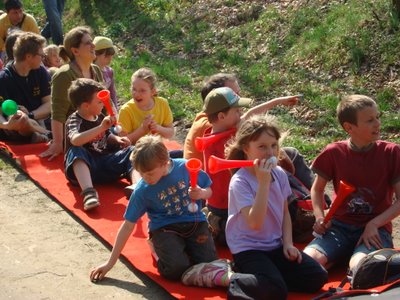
(377, 272)
(377, 268)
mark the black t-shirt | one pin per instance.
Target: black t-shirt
(27, 91)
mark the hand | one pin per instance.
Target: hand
(123, 141)
(106, 123)
(285, 162)
(146, 122)
(153, 126)
(263, 170)
(196, 193)
(371, 237)
(54, 150)
(320, 227)
(23, 109)
(290, 100)
(17, 121)
(292, 253)
(99, 272)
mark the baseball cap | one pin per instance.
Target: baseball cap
(102, 42)
(221, 98)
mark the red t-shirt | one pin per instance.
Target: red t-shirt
(220, 180)
(373, 173)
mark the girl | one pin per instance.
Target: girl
(51, 59)
(258, 229)
(78, 50)
(104, 53)
(145, 112)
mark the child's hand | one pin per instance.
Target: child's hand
(196, 193)
(123, 141)
(290, 100)
(263, 170)
(99, 272)
(319, 226)
(146, 122)
(106, 123)
(153, 126)
(371, 237)
(292, 253)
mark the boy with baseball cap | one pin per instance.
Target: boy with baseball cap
(223, 108)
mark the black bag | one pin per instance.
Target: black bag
(377, 268)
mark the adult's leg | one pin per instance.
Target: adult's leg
(53, 27)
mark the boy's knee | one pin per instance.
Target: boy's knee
(316, 255)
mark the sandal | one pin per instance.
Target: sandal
(90, 198)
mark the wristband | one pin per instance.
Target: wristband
(31, 115)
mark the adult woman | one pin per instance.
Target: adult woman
(79, 50)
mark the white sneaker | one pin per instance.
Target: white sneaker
(204, 274)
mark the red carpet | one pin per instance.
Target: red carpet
(106, 219)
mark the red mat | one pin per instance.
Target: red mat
(106, 219)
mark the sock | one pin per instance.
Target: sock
(222, 278)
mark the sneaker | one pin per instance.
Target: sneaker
(128, 190)
(204, 274)
(90, 199)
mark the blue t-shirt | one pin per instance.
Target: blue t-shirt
(242, 192)
(166, 202)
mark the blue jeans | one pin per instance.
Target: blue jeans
(53, 27)
(181, 245)
(340, 240)
(270, 275)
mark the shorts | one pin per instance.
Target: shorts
(340, 240)
(103, 168)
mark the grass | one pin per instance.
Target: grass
(322, 49)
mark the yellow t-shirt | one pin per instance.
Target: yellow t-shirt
(131, 117)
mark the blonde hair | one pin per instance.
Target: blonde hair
(250, 130)
(73, 39)
(149, 153)
(348, 107)
(145, 74)
(48, 51)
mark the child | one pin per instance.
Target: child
(93, 154)
(180, 238)
(51, 59)
(145, 113)
(104, 53)
(200, 123)
(258, 229)
(362, 223)
(223, 109)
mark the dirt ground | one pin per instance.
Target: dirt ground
(47, 254)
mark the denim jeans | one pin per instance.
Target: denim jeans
(53, 27)
(181, 245)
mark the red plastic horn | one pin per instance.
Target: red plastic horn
(202, 143)
(345, 189)
(193, 166)
(104, 96)
(216, 164)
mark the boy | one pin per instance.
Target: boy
(362, 223)
(27, 82)
(93, 153)
(180, 238)
(223, 109)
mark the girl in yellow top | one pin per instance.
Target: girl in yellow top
(145, 113)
